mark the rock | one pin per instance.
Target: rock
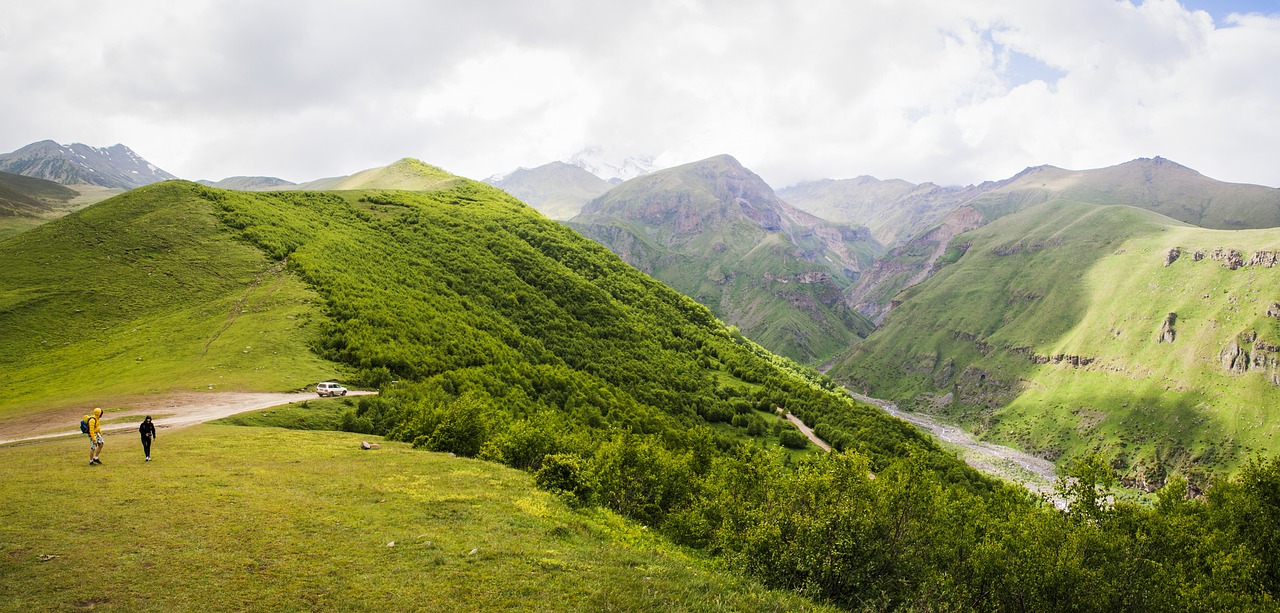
(1266, 259)
(368, 445)
(1197, 256)
(1172, 256)
(1166, 329)
(1234, 358)
(1230, 258)
(1274, 310)
(391, 544)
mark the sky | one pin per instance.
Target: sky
(949, 91)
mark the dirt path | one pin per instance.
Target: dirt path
(167, 411)
(1036, 474)
(807, 431)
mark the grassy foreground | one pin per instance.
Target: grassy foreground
(244, 518)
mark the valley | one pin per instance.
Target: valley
(1110, 343)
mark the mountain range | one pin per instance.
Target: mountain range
(115, 167)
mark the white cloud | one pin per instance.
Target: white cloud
(948, 91)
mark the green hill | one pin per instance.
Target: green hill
(1070, 328)
(715, 231)
(406, 174)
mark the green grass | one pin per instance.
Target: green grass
(1089, 281)
(318, 414)
(231, 518)
(147, 293)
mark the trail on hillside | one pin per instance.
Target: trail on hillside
(1036, 474)
(807, 431)
(168, 411)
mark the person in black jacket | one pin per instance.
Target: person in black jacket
(148, 432)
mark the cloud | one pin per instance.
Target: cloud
(955, 92)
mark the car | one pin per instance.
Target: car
(329, 388)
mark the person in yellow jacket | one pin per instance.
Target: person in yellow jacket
(95, 436)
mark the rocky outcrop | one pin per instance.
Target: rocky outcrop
(1266, 259)
(1167, 333)
(1172, 256)
(1273, 310)
(1230, 258)
(1247, 352)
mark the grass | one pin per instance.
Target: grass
(1090, 281)
(147, 294)
(319, 414)
(246, 518)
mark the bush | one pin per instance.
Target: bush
(566, 475)
(793, 438)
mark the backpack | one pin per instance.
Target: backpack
(84, 426)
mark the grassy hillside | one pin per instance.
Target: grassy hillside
(148, 293)
(405, 174)
(716, 232)
(1045, 333)
(1155, 184)
(26, 202)
(234, 519)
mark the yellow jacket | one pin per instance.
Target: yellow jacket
(95, 423)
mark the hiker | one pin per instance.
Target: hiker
(95, 436)
(148, 432)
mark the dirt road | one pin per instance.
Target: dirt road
(166, 411)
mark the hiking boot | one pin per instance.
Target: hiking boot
(148, 458)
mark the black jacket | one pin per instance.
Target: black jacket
(147, 429)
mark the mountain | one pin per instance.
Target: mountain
(895, 211)
(557, 190)
(715, 231)
(250, 184)
(405, 174)
(1155, 184)
(116, 166)
(1068, 328)
(611, 167)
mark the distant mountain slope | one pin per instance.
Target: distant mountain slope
(250, 184)
(22, 196)
(406, 174)
(895, 211)
(1155, 184)
(715, 231)
(557, 190)
(1070, 327)
(27, 202)
(116, 166)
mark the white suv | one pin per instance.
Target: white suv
(330, 389)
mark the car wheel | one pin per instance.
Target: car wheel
(344, 392)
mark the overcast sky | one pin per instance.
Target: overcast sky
(950, 91)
